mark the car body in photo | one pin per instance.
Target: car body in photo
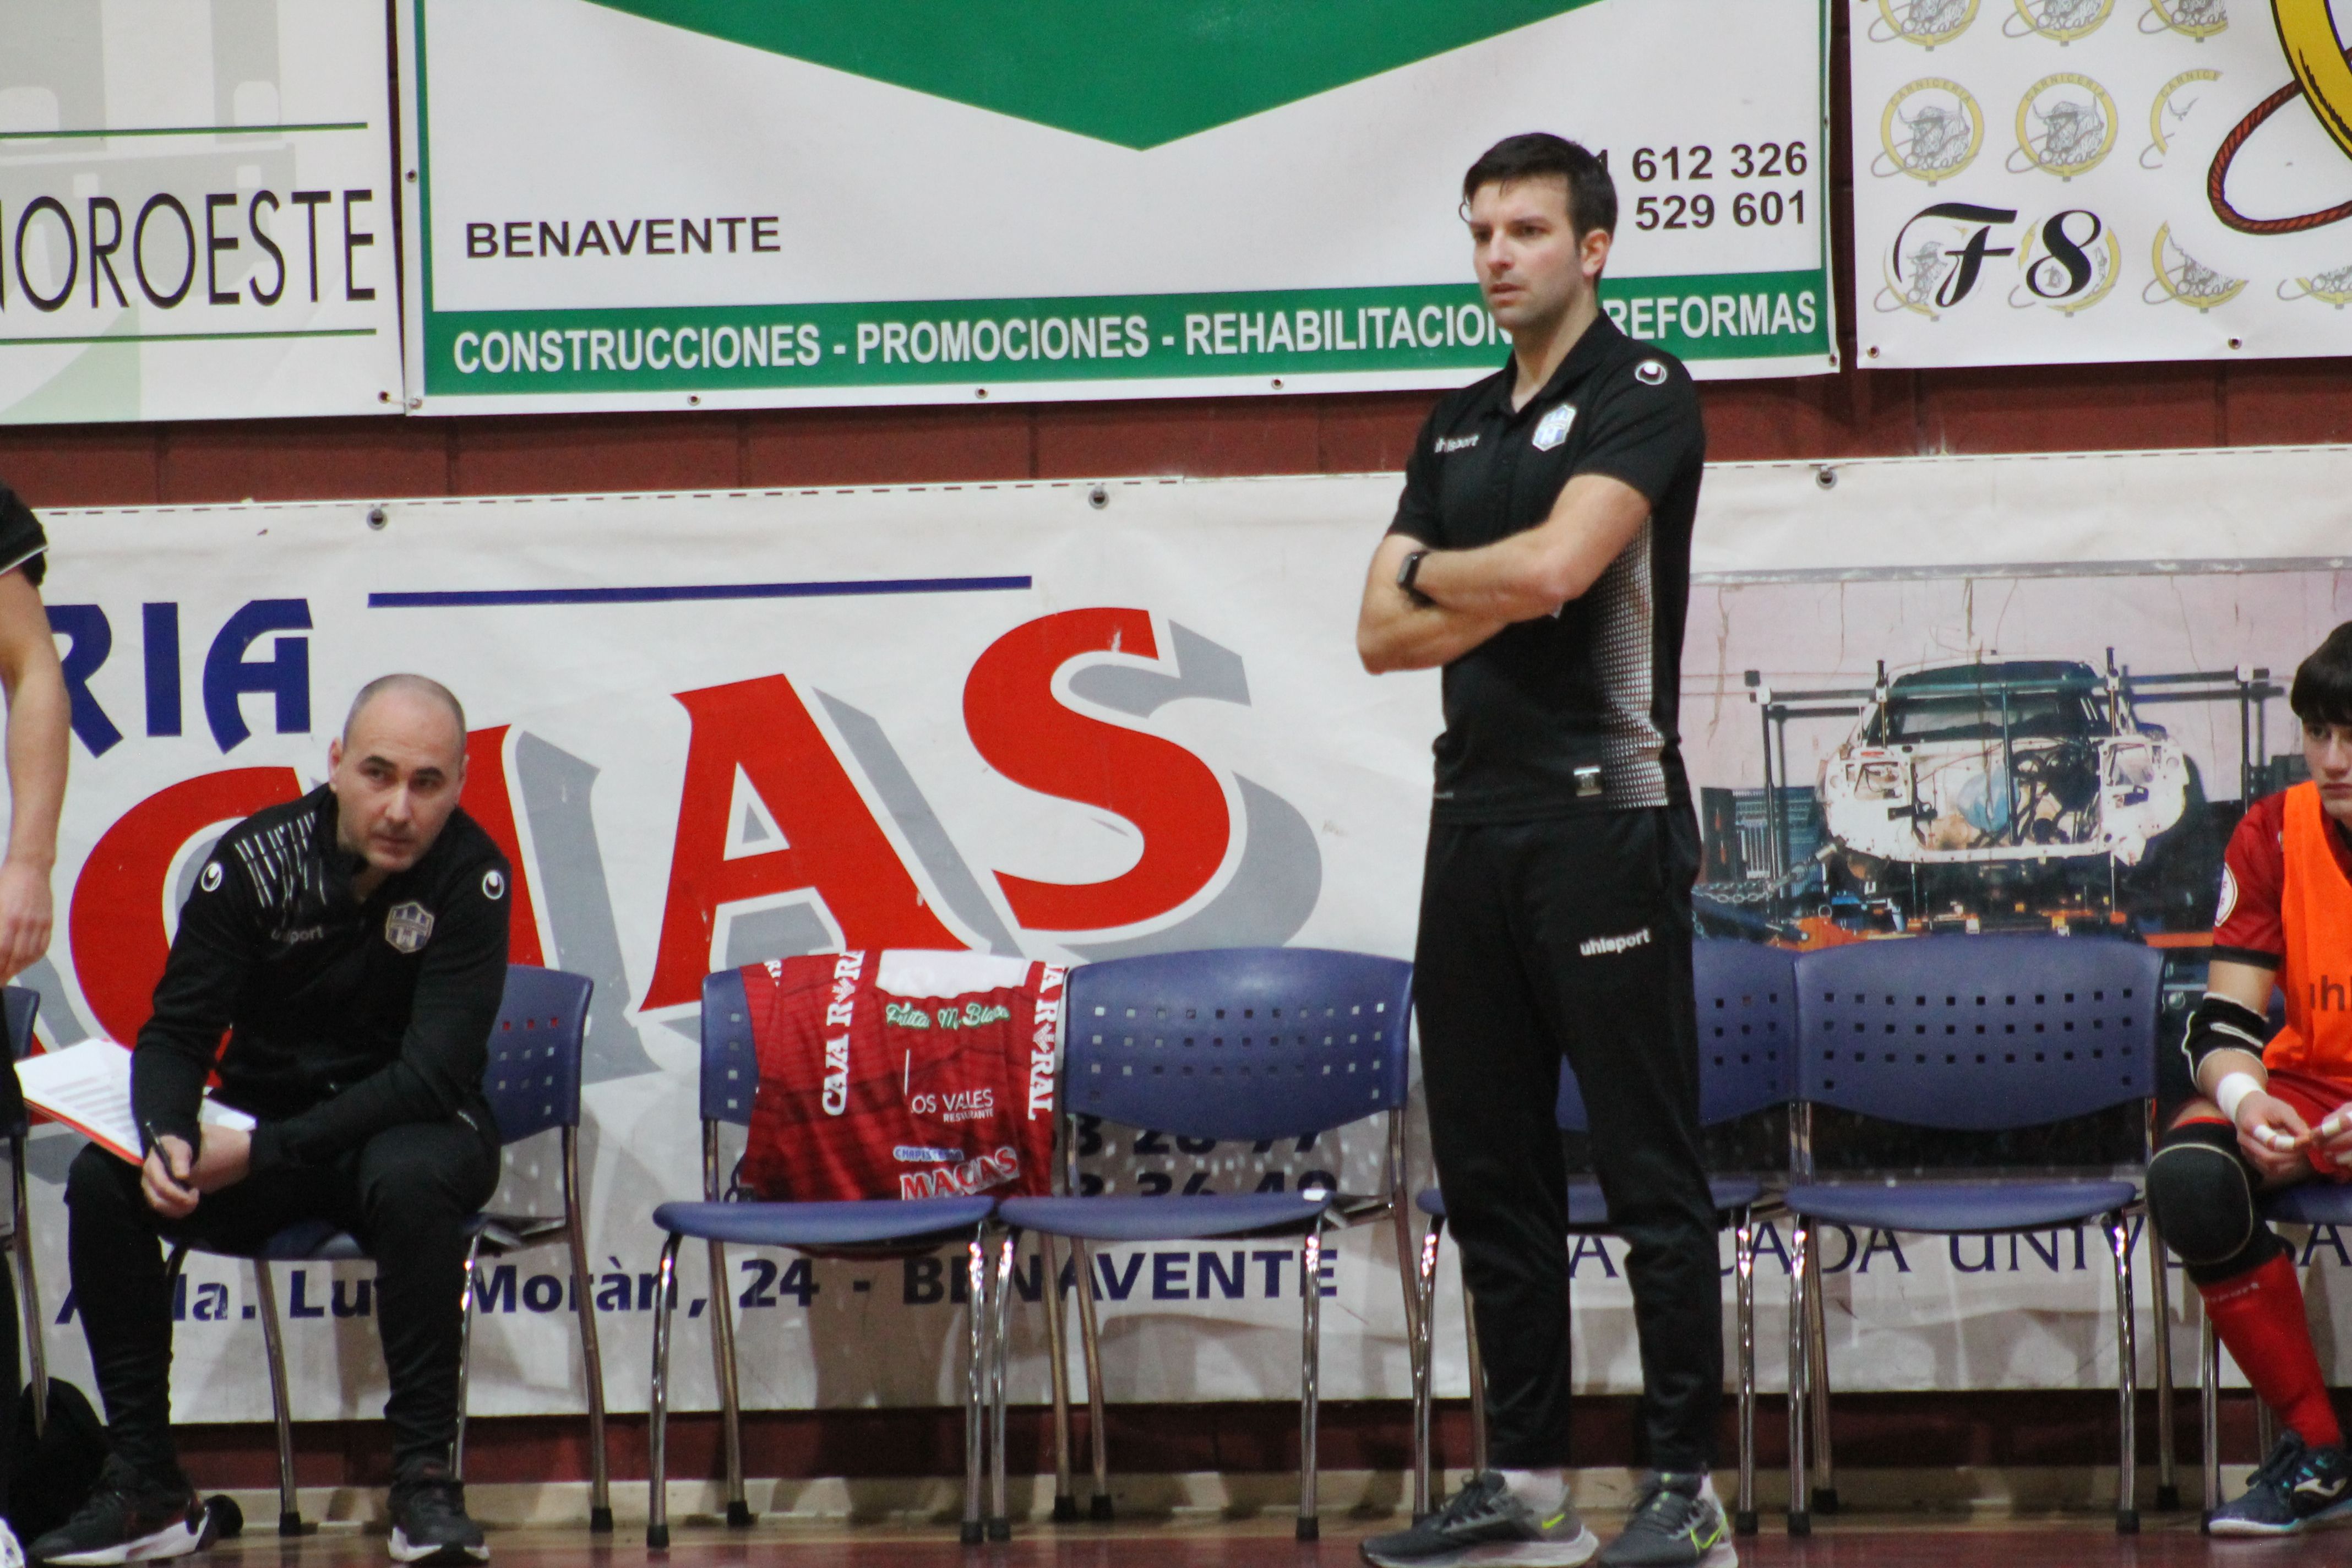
(2028, 764)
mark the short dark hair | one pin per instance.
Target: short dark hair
(1539, 154)
(2322, 693)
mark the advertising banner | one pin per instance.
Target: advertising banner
(2071, 181)
(738, 205)
(196, 211)
(1106, 719)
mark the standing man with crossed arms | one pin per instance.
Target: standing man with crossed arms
(1541, 555)
(2273, 1109)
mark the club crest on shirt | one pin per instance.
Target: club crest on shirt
(2228, 900)
(408, 927)
(1552, 429)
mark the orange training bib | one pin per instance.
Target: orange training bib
(2315, 908)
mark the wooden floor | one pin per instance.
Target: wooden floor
(1889, 1542)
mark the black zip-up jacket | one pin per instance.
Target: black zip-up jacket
(343, 1018)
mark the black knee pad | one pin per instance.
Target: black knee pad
(2202, 1194)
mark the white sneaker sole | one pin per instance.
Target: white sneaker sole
(1722, 1554)
(2245, 1529)
(1513, 1554)
(1537, 1553)
(404, 1551)
(172, 1540)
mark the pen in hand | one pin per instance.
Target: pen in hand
(155, 1143)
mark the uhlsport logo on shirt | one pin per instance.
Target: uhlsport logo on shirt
(408, 927)
(1602, 946)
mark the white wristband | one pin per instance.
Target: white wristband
(2232, 1091)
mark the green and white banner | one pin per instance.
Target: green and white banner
(674, 204)
(196, 210)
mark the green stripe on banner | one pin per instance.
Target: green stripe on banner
(1270, 333)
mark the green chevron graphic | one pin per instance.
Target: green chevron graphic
(1138, 73)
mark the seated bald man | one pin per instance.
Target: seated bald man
(353, 946)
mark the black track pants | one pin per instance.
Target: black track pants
(406, 1194)
(1571, 939)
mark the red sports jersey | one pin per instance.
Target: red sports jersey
(902, 1074)
(2247, 925)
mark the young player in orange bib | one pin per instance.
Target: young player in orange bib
(2274, 1109)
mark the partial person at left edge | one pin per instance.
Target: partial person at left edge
(39, 732)
(40, 725)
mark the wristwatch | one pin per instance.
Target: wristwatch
(1407, 573)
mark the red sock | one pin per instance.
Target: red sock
(2259, 1316)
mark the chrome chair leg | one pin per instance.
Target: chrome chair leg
(1310, 1285)
(730, 1396)
(1478, 1379)
(264, 1290)
(2209, 1410)
(1817, 1380)
(1801, 1517)
(592, 1351)
(2167, 1477)
(2127, 1380)
(28, 1292)
(1000, 1517)
(657, 1420)
(2265, 1427)
(1090, 1349)
(1057, 1359)
(1743, 1269)
(1401, 1214)
(975, 1376)
(464, 1352)
(1423, 1346)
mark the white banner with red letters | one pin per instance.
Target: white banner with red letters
(1067, 722)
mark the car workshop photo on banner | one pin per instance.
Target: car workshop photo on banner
(1961, 753)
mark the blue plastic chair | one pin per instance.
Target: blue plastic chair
(20, 1006)
(884, 1226)
(1244, 1044)
(1979, 1034)
(532, 1083)
(1747, 1029)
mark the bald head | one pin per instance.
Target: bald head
(417, 688)
(396, 773)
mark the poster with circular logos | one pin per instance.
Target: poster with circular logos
(2076, 181)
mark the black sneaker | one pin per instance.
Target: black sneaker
(428, 1519)
(1678, 1522)
(1484, 1523)
(128, 1519)
(2297, 1487)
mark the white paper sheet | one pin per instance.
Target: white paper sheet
(88, 1087)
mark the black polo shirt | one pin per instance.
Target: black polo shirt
(1575, 712)
(22, 543)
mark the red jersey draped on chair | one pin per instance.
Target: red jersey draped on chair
(901, 1074)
